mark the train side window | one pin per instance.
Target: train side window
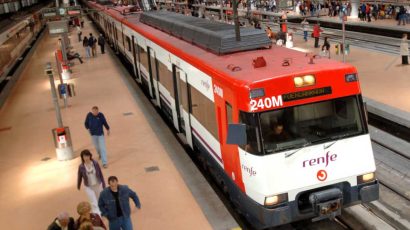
(115, 32)
(228, 113)
(166, 78)
(137, 53)
(128, 43)
(143, 57)
(119, 36)
(203, 110)
(252, 133)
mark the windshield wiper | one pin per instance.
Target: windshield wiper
(297, 150)
(326, 147)
(341, 136)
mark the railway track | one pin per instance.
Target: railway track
(377, 43)
(392, 172)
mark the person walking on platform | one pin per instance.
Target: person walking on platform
(94, 123)
(284, 27)
(368, 13)
(404, 50)
(92, 44)
(316, 34)
(101, 43)
(87, 48)
(402, 16)
(89, 170)
(115, 206)
(62, 222)
(305, 27)
(88, 218)
(325, 48)
(79, 33)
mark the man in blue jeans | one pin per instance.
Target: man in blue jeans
(115, 206)
(94, 122)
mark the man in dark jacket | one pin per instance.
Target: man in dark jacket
(94, 122)
(117, 212)
(63, 221)
(101, 42)
(92, 44)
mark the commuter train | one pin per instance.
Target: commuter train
(284, 133)
(14, 41)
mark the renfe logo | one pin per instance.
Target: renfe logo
(321, 175)
(205, 84)
(320, 160)
(250, 170)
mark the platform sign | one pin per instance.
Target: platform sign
(57, 27)
(73, 10)
(49, 12)
(62, 11)
(63, 89)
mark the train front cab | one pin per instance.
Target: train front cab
(326, 163)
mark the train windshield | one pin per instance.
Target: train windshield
(303, 125)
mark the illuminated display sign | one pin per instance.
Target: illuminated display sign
(306, 94)
(74, 12)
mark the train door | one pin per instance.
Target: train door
(114, 28)
(153, 75)
(134, 56)
(183, 104)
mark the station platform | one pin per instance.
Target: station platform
(383, 27)
(383, 79)
(142, 151)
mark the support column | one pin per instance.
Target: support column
(355, 6)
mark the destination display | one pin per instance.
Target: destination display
(306, 94)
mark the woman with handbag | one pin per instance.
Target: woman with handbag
(90, 172)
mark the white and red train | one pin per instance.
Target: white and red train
(297, 127)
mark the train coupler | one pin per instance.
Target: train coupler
(326, 203)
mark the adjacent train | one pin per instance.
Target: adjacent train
(14, 41)
(284, 133)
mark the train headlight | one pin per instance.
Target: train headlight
(298, 81)
(304, 80)
(309, 80)
(365, 178)
(276, 199)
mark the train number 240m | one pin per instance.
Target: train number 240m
(266, 103)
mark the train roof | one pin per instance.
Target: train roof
(213, 64)
(214, 36)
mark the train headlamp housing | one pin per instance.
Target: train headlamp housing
(352, 77)
(255, 93)
(303, 81)
(366, 178)
(275, 200)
